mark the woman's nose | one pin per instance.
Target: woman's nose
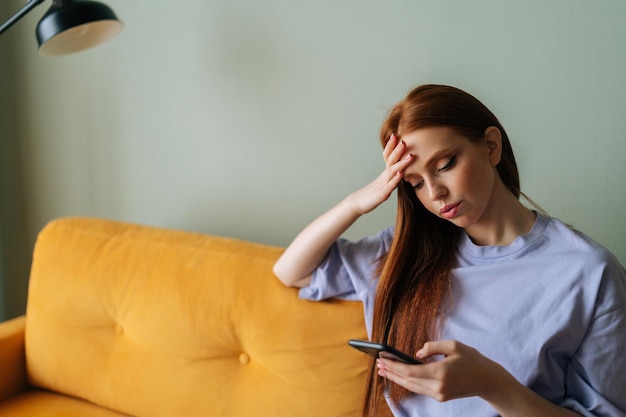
(437, 191)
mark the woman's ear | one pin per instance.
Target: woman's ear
(493, 140)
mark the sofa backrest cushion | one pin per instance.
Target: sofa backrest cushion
(159, 323)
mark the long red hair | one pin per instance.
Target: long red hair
(414, 283)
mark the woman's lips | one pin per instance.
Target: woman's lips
(450, 211)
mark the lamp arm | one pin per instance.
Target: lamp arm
(21, 13)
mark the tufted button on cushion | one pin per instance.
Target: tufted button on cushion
(119, 329)
(244, 358)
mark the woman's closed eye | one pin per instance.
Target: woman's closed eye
(418, 185)
(448, 165)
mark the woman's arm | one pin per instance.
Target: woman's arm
(464, 372)
(308, 249)
(512, 399)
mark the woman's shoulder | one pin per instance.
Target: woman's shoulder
(381, 240)
(567, 238)
(582, 249)
(361, 251)
(586, 265)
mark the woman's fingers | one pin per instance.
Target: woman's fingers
(462, 372)
(394, 150)
(390, 146)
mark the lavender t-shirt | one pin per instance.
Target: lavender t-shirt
(550, 308)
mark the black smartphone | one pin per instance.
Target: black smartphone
(383, 351)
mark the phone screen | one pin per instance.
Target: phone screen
(380, 350)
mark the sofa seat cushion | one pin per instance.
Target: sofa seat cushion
(158, 323)
(36, 403)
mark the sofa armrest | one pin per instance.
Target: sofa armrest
(12, 357)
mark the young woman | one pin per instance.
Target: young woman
(514, 313)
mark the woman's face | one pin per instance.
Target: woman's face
(453, 177)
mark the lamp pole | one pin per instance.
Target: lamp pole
(17, 16)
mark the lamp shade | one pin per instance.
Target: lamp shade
(74, 25)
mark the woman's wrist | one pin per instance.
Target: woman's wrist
(350, 205)
(503, 389)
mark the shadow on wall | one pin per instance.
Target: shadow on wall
(15, 249)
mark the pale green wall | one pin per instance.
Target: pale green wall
(247, 118)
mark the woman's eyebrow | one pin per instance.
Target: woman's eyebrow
(437, 156)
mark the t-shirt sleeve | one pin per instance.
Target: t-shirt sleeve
(347, 271)
(596, 374)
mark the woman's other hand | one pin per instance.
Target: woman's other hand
(465, 372)
(378, 191)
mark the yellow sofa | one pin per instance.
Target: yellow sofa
(132, 320)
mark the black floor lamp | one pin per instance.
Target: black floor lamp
(70, 25)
